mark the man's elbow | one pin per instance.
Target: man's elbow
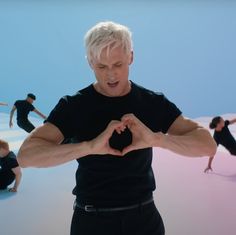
(22, 162)
(23, 159)
(211, 148)
(208, 143)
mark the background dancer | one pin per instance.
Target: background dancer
(223, 136)
(10, 170)
(23, 108)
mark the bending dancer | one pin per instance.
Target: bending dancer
(10, 170)
(223, 136)
(23, 108)
(115, 123)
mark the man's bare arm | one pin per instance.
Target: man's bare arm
(11, 115)
(232, 121)
(40, 114)
(18, 175)
(185, 137)
(209, 165)
(188, 138)
(3, 104)
(42, 147)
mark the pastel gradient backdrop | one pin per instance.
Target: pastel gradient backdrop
(183, 48)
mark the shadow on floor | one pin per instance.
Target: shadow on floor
(231, 177)
(5, 194)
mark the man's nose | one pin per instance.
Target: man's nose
(110, 72)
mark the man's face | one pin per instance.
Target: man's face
(222, 123)
(30, 100)
(112, 72)
(3, 152)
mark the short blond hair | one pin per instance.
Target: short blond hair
(108, 35)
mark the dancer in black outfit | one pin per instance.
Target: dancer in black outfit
(114, 124)
(23, 108)
(9, 168)
(223, 136)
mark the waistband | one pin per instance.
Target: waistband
(91, 208)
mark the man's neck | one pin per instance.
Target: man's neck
(219, 129)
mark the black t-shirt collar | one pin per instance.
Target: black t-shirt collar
(112, 98)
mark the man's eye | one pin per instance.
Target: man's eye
(118, 65)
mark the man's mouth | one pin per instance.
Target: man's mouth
(112, 84)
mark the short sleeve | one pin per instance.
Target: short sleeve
(32, 107)
(227, 123)
(12, 162)
(170, 113)
(16, 103)
(61, 117)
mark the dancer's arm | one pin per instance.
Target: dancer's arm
(3, 104)
(232, 121)
(11, 115)
(18, 174)
(40, 114)
(209, 165)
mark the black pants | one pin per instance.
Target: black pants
(25, 125)
(5, 179)
(145, 220)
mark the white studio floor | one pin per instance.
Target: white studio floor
(190, 201)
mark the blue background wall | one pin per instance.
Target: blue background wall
(186, 49)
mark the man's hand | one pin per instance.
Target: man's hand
(100, 145)
(142, 136)
(13, 190)
(10, 124)
(208, 169)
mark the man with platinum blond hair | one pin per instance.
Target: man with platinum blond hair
(114, 123)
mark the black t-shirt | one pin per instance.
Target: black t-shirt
(8, 162)
(23, 108)
(225, 138)
(105, 180)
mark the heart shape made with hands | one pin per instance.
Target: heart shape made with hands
(122, 140)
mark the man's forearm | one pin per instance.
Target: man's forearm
(17, 181)
(40, 153)
(232, 121)
(193, 144)
(11, 115)
(210, 161)
(42, 116)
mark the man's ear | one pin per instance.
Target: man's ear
(131, 57)
(90, 63)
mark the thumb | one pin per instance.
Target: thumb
(127, 149)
